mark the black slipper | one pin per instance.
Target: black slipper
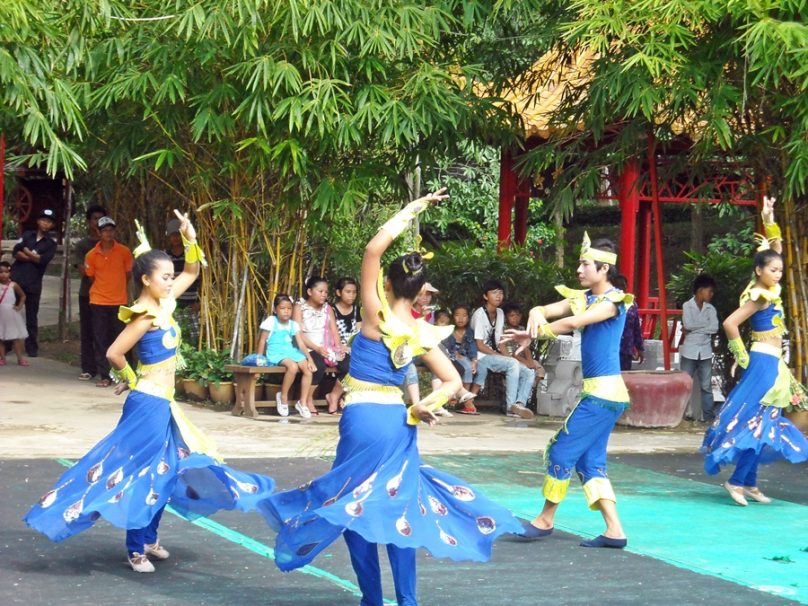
(603, 541)
(532, 533)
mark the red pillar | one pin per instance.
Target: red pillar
(520, 214)
(644, 255)
(507, 191)
(629, 196)
(660, 263)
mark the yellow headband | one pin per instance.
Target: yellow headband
(144, 245)
(593, 254)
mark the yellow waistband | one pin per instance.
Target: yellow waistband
(767, 348)
(764, 335)
(608, 387)
(357, 391)
(164, 366)
(153, 389)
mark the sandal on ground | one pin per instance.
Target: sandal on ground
(104, 383)
(85, 376)
(468, 395)
(3, 362)
(754, 493)
(736, 492)
(24, 362)
(468, 409)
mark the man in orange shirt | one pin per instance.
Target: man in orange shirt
(109, 266)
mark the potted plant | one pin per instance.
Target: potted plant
(195, 374)
(220, 380)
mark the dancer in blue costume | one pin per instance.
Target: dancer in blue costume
(378, 491)
(580, 445)
(154, 455)
(751, 428)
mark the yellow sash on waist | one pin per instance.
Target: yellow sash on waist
(608, 387)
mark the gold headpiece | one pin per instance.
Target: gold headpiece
(593, 254)
(144, 245)
(763, 242)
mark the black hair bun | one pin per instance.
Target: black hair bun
(413, 262)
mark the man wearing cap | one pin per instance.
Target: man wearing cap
(109, 266)
(187, 312)
(31, 256)
(85, 245)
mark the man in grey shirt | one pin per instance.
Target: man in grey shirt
(700, 323)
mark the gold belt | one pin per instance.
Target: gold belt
(765, 335)
(357, 391)
(608, 387)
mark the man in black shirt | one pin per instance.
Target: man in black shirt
(31, 256)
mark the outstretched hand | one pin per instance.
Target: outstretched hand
(767, 213)
(433, 198)
(186, 229)
(535, 320)
(521, 337)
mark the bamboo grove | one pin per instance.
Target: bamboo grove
(274, 121)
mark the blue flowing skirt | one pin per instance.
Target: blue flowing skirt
(135, 471)
(744, 424)
(379, 488)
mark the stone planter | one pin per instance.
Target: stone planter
(194, 389)
(179, 386)
(658, 397)
(223, 393)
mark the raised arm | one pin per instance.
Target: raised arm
(542, 313)
(770, 226)
(193, 256)
(372, 259)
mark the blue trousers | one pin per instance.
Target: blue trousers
(745, 473)
(137, 539)
(365, 560)
(581, 446)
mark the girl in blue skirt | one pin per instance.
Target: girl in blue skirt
(751, 427)
(378, 491)
(154, 455)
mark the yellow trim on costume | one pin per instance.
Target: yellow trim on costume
(357, 391)
(406, 340)
(765, 335)
(161, 319)
(153, 389)
(124, 375)
(193, 252)
(577, 298)
(432, 402)
(767, 348)
(553, 489)
(194, 437)
(779, 394)
(594, 254)
(771, 295)
(597, 489)
(772, 231)
(608, 387)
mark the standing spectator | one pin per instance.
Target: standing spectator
(32, 254)
(109, 266)
(187, 312)
(487, 324)
(85, 245)
(699, 324)
(632, 347)
(12, 324)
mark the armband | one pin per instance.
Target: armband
(544, 333)
(124, 375)
(399, 222)
(738, 351)
(193, 252)
(432, 402)
(772, 231)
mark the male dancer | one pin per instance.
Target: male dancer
(599, 312)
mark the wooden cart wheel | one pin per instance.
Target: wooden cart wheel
(23, 204)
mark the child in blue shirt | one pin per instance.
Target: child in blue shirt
(280, 336)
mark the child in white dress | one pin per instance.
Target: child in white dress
(12, 323)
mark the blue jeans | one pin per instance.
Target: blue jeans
(704, 369)
(467, 375)
(518, 378)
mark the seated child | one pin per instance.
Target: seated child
(277, 332)
(457, 348)
(513, 321)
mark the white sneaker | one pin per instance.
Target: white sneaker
(157, 551)
(303, 410)
(283, 409)
(140, 563)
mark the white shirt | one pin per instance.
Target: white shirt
(701, 325)
(482, 327)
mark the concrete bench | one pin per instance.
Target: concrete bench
(245, 378)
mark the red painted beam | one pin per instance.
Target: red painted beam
(507, 192)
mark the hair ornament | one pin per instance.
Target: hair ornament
(594, 254)
(144, 245)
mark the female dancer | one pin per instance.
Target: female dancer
(154, 454)
(377, 490)
(751, 428)
(580, 445)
